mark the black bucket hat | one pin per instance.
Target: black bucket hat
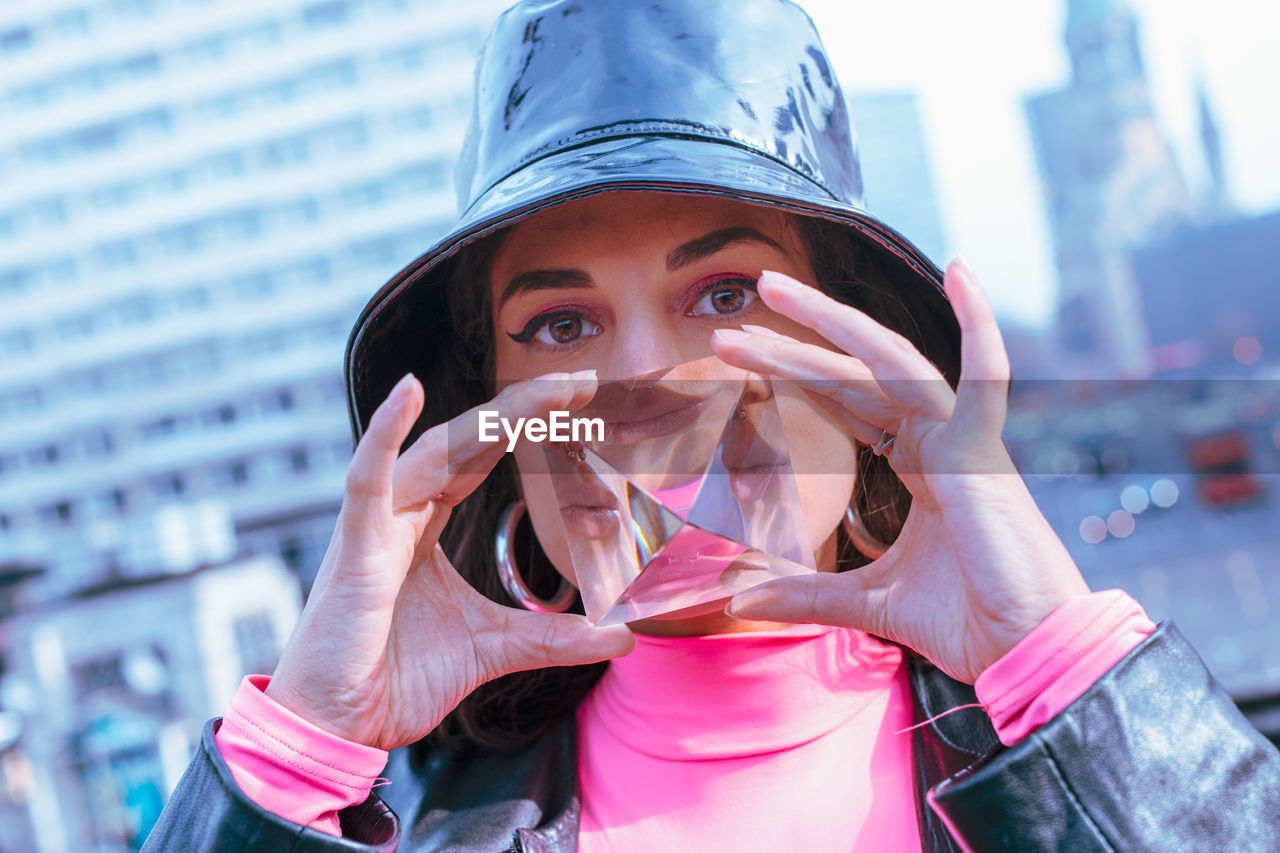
(731, 98)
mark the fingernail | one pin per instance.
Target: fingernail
(761, 330)
(583, 374)
(401, 390)
(780, 279)
(552, 377)
(964, 266)
(733, 336)
(741, 603)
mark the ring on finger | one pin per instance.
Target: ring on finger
(885, 444)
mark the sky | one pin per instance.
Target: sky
(973, 63)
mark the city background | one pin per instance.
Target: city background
(198, 196)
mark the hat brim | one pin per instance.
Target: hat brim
(380, 349)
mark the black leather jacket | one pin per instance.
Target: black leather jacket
(1154, 756)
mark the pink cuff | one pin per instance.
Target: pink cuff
(1059, 660)
(289, 766)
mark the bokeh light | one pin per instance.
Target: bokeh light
(1134, 499)
(1120, 524)
(1246, 350)
(1093, 529)
(1164, 493)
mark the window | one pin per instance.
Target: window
(98, 674)
(14, 280)
(191, 299)
(98, 443)
(15, 40)
(139, 309)
(74, 22)
(159, 428)
(16, 342)
(119, 255)
(299, 462)
(76, 326)
(327, 14)
(239, 472)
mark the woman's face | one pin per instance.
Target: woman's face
(629, 283)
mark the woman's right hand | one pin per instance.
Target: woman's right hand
(392, 637)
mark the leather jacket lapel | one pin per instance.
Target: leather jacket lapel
(944, 746)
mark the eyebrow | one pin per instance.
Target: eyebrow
(709, 244)
(681, 256)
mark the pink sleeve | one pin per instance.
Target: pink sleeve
(289, 766)
(1059, 660)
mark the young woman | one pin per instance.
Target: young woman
(646, 185)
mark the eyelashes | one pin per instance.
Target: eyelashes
(727, 284)
(723, 295)
(568, 326)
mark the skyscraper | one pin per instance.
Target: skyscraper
(896, 169)
(1110, 181)
(196, 199)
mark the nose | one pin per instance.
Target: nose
(647, 343)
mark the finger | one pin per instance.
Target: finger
(837, 377)
(848, 599)
(369, 477)
(901, 369)
(536, 640)
(983, 392)
(450, 460)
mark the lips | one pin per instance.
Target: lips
(588, 507)
(645, 413)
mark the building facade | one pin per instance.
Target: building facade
(1111, 182)
(896, 170)
(196, 199)
(110, 688)
(1210, 297)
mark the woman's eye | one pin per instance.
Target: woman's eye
(725, 296)
(556, 329)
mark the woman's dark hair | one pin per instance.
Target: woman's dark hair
(514, 710)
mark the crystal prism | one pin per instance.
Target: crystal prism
(689, 498)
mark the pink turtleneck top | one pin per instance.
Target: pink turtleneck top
(704, 741)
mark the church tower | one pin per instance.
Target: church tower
(1211, 144)
(1111, 183)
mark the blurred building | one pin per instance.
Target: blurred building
(110, 688)
(196, 198)
(895, 167)
(1111, 182)
(1210, 296)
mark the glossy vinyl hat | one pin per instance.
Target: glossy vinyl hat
(731, 98)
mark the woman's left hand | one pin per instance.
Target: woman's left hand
(976, 565)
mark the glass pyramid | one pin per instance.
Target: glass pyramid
(670, 500)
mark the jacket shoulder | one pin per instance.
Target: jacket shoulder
(1153, 756)
(208, 811)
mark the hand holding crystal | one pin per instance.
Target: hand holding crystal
(976, 565)
(392, 637)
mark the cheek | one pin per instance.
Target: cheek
(544, 513)
(823, 457)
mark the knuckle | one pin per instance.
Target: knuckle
(360, 484)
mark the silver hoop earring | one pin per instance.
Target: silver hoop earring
(867, 545)
(509, 573)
